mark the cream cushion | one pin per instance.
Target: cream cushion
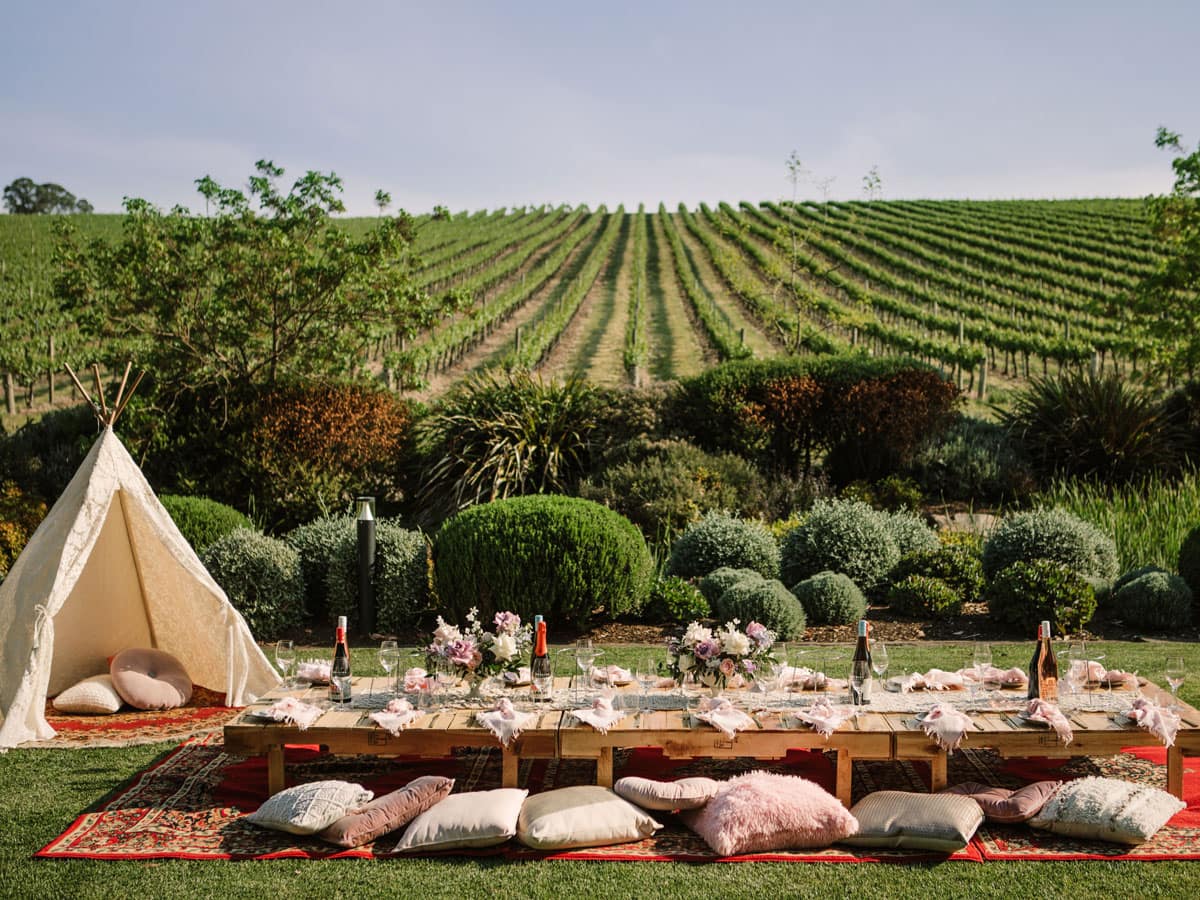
(309, 808)
(147, 678)
(92, 695)
(1107, 809)
(665, 796)
(473, 819)
(941, 822)
(584, 816)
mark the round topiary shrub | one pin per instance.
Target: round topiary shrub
(924, 595)
(719, 540)
(840, 536)
(1050, 534)
(910, 533)
(1027, 592)
(401, 576)
(830, 598)
(203, 521)
(1156, 600)
(763, 600)
(560, 556)
(318, 542)
(1134, 575)
(674, 600)
(956, 565)
(714, 584)
(1189, 560)
(261, 576)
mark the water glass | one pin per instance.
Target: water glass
(285, 658)
(1175, 672)
(389, 660)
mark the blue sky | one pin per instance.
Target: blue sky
(488, 104)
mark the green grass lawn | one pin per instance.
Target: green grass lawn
(41, 792)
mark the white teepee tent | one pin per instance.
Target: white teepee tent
(107, 569)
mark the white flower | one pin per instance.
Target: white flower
(696, 633)
(445, 633)
(686, 661)
(504, 647)
(735, 643)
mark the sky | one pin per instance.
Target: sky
(482, 105)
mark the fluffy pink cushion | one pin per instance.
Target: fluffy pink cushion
(761, 811)
(665, 796)
(150, 679)
(1004, 804)
(387, 813)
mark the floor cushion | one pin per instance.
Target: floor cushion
(94, 695)
(913, 821)
(1005, 805)
(583, 816)
(309, 808)
(150, 679)
(666, 796)
(387, 813)
(762, 811)
(473, 819)
(1107, 809)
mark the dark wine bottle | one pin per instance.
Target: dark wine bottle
(537, 624)
(1047, 667)
(339, 669)
(860, 668)
(1035, 667)
(541, 675)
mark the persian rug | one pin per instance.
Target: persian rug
(191, 804)
(204, 714)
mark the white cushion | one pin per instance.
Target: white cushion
(914, 821)
(584, 816)
(1107, 809)
(473, 819)
(667, 796)
(309, 808)
(92, 695)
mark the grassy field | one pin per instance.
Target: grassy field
(41, 791)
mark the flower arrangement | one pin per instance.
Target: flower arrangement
(714, 657)
(476, 653)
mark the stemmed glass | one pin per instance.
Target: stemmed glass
(446, 677)
(879, 661)
(389, 659)
(647, 676)
(285, 658)
(585, 656)
(1077, 677)
(981, 658)
(1175, 672)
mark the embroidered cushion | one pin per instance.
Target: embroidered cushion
(941, 822)
(584, 816)
(665, 796)
(150, 679)
(474, 819)
(92, 695)
(387, 813)
(309, 808)
(1107, 809)
(1006, 805)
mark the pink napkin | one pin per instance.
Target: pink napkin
(1039, 710)
(600, 715)
(1116, 677)
(824, 717)
(665, 683)
(1159, 721)
(806, 679)
(396, 716)
(611, 675)
(517, 678)
(933, 680)
(995, 675)
(312, 671)
(289, 709)
(415, 679)
(723, 716)
(504, 720)
(946, 725)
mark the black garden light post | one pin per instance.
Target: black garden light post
(366, 563)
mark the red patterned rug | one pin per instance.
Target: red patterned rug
(191, 803)
(204, 714)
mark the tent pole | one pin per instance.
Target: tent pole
(137, 567)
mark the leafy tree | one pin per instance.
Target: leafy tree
(873, 184)
(24, 196)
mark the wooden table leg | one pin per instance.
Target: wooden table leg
(604, 767)
(510, 763)
(845, 776)
(274, 769)
(1175, 771)
(937, 772)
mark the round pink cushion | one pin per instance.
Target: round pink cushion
(150, 679)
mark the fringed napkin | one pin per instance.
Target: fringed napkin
(802, 678)
(1039, 710)
(723, 716)
(946, 726)
(611, 675)
(416, 679)
(517, 678)
(396, 716)
(933, 680)
(313, 671)
(1116, 678)
(504, 720)
(600, 715)
(665, 682)
(289, 709)
(1159, 721)
(995, 675)
(824, 717)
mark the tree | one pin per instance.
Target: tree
(383, 200)
(24, 196)
(265, 291)
(872, 184)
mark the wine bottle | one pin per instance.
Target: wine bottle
(339, 669)
(860, 668)
(1047, 667)
(537, 623)
(541, 675)
(1035, 667)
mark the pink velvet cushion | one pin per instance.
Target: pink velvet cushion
(1005, 805)
(150, 679)
(387, 813)
(665, 796)
(761, 811)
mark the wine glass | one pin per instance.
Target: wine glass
(981, 658)
(446, 676)
(1077, 677)
(1175, 672)
(389, 659)
(647, 676)
(285, 658)
(585, 656)
(879, 660)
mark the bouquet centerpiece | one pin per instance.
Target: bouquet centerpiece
(714, 657)
(476, 654)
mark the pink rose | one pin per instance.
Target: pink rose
(507, 622)
(727, 667)
(707, 649)
(461, 652)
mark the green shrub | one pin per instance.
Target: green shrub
(262, 578)
(1155, 600)
(1134, 574)
(1189, 560)
(318, 542)
(830, 598)
(924, 595)
(43, 455)
(1050, 534)
(1028, 592)
(840, 536)
(719, 540)
(401, 576)
(674, 600)
(1102, 588)
(715, 583)
(763, 600)
(893, 493)
(203, 521)
(911, 533)
(20, 515)
(563, 557)
(956, 566)
(975, 460)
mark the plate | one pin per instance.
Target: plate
(1023, 718)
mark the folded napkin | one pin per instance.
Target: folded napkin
(313, 670)
(504, 720)
(824, 717)
(723, 716)
(600, 715)
(995, 675)
(946, 726)
(1158, 720)
(1117, 677)
(289, 709)
(933, 680)
(805, 679)
(1039, 710)
(396, 716)
(416, 679)
(519, 677)
(611, 675)
(665, 682)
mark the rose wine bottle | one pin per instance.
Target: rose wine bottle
(339, 670)
(860, 668)
(1047, 667)
(541, 674)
